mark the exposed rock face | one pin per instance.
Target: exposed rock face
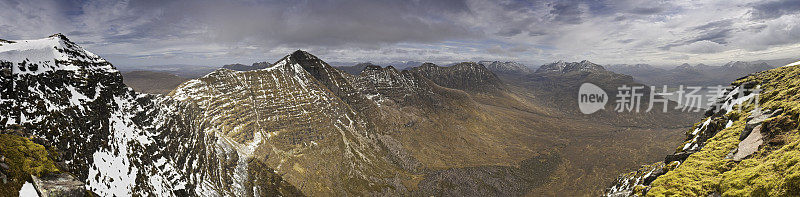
(61, 184)
(506, 67)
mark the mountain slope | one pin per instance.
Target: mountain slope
(117, 141)
(741, 148)
(294, 119)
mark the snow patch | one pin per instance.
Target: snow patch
(28, 190)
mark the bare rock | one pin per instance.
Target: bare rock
(680, 156)
(749, 145)
(60, 185)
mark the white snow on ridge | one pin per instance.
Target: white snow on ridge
(792, 64)
(44, 52)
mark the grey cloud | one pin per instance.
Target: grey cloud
(719, 36)
(509, 32)
(774, 9)
(715, 25)
(716, 31)
(566, 12)
(647, 10)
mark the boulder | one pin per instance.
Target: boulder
(680, 156)
(62, 185)
(749, 145)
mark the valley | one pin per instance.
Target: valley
(427, 130)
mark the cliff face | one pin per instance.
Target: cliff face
(748, 145)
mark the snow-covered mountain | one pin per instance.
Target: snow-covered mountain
(506, 67)
(566, 67)
(117, 141)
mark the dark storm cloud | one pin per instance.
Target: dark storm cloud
(775, 9)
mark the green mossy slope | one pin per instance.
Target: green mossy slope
(772, 171)
(24, 158)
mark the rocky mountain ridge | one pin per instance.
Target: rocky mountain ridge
(567, 67)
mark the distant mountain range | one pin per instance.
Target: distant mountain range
(506, 67)
(697, 75)
(242, 67)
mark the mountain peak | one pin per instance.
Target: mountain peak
(39, 56)
(59, 35)
(303, 55)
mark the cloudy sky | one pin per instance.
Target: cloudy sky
(212, 33)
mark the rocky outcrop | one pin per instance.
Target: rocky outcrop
(61, 184)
